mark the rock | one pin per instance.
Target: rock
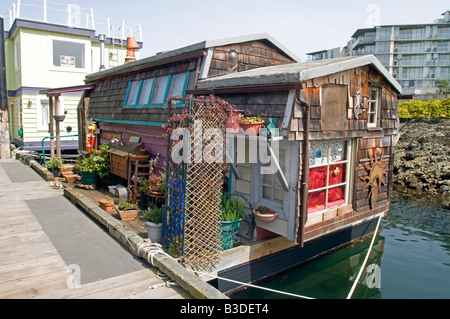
(422, 158)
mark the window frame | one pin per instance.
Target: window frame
(377, 111)
(17, 54)
(154, 79)
(350, 158)
(87, 56)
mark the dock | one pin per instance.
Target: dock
(50, 249)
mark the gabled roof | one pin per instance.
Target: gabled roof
(295, 73)
(188, 51)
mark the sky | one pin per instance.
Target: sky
(301, 26)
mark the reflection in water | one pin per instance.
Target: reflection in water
(414, 243)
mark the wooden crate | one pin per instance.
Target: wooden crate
(119, 163)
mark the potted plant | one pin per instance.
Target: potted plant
(54, 165)
(153, 221)
(232, 120)
(140, 154)
(231, 216)
(128, 210)
(95, 165)
(264, 213)
(251, 125)
(143, 189)
(106, 204)
(157, 183)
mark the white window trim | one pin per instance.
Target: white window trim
(46, 128)
(87, 56)
(17, 53)
(291, 164)
(377, 108)
(348, 175)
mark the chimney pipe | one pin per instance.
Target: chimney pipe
(131, 48)
(102, 39)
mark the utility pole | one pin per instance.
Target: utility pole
(5, 146)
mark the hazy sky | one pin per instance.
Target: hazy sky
(301, 26)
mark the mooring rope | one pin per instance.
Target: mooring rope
(349, 296)
(153, 249)
(252, 286)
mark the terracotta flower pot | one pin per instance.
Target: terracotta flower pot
(107, 207)
(232, 121)
(251, 128)
(268, 216)
(139, 158)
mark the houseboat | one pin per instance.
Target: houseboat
(333, 126)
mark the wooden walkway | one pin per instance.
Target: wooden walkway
(30, 265)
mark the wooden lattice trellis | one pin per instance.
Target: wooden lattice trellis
(204, 177)
(203, 191)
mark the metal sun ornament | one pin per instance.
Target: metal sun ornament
(376, 176)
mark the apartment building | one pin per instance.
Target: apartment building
(51, 45)
(416, 55)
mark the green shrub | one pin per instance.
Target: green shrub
(436, 109)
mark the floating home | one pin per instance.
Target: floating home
(335, 123)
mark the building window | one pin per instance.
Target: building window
(373, 111)
(155, 91)
(68, 55)
(328, 175)
(271, 189)
(17, 53)
(42, 113)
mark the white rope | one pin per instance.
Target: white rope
(349, 296)
(253, 286)
(146, 247)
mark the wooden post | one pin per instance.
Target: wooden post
(58, 139)
(51, 129)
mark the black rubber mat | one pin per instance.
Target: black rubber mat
(20, 173)
(83, 245)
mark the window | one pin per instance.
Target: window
(68, 55)
(155, 91)
(159, 90)
(272, 190)
(133, 88)
(42, 113)
(17, 53)
(328, 175)
(373, 112)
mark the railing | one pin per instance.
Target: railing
(42, 143)
(70, 15)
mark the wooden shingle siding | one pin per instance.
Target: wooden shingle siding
(270, 104)
(107, 99)
(366, 140)
(252, 55)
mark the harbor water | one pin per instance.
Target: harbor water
(410, 259)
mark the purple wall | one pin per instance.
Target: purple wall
(151, 137)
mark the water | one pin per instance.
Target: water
(410, 259)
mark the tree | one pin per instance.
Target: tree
(443, 85)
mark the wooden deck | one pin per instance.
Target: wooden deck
(137, 225)
(30, 265)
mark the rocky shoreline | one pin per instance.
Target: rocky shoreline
(422, 159)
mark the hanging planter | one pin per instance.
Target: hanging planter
(264, 213)
(59, 118)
